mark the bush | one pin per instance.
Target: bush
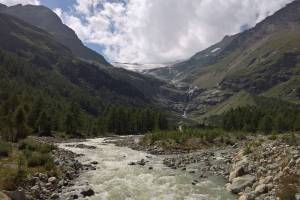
(184, 138)
(38, 159)
(272, 137)
(10, 177)
(31, 145)
(289, 187)
(37, 154)
(5, 149)
(251, 146)
(290, 139)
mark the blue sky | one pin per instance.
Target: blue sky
(66, 5)
(63, 4)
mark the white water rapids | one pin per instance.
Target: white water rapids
(114, 179)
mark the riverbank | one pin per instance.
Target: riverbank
(255, 167)
(49, 182)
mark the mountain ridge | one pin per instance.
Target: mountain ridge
(44, 18)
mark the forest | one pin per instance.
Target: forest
(36, 100)
(270, 115)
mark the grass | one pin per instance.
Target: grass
(241, 99)
(289, 187)
(191, 138)
(251, 146)
(285, 90)
(23, 159)
(290, 139)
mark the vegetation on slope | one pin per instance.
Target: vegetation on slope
(17, 161)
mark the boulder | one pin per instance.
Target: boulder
(52, 180)
(83, 146)
(132, 163)
(240, 183)
(88, 193)
(261, 189)
(16, 195)
(94, 163)
(141, 162)
(239, 171)
(248, 196)
(54, 196)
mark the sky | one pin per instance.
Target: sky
(156, 31)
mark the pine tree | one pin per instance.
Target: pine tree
(20, 123)
(44, 124)
(266, 124)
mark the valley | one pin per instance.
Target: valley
(223, 124)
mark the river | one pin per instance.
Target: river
(114, 179)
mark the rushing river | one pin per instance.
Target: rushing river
(114, 179)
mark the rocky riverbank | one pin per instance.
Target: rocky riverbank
(270, 170)
(50, 184)
(257, 167)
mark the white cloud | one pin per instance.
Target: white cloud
(154, 31)
(24, 2)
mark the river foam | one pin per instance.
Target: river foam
(114, 179)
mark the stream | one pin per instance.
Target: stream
(114, 179)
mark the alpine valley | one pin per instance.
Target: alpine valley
(223, 124)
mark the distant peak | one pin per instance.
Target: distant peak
(2, 6)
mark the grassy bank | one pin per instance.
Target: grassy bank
(202, 138)
(18, 160)
(191, 138)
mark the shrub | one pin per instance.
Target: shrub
(31, 145)
(247, 149)
(5, 149)
(289, 187)
(38, 159)
(272, 137)
(290, 139)
(251, 146)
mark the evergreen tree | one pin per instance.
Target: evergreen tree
(20, 123)
(44, 124)
(266, 124)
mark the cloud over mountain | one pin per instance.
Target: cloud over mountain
(156, 31)
(24, 2)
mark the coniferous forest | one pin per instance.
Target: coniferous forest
(34, 100)
(269, 115)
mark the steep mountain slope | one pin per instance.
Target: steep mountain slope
(40, 51)
(255, 60)
(159, 92)
(262, 61)
(47, 20)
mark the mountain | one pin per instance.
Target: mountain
(44, 18)
(255, 60)
(44, 86)
(41, 51)
(261, 61)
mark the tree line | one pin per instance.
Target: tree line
(269, 115)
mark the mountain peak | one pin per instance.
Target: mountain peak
(44, 18)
